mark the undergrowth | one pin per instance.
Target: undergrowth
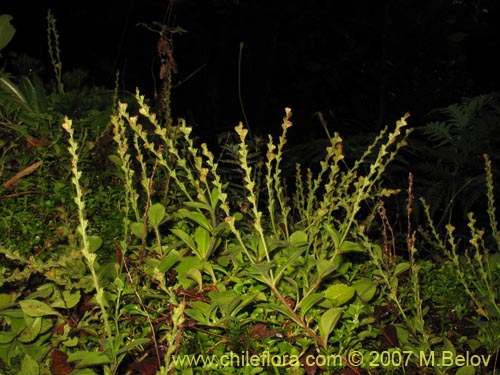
(168, 258)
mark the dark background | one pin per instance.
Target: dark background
(362, 63)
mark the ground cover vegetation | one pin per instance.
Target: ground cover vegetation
(130, 247)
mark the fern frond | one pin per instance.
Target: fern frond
(439, 132)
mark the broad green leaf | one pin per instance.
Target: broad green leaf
(283, 310)
(47, 324)
(349, 246)
(377, 250)
(401, 267)
(202, 238)
(187, 263)
(325, 267)
(196, 217)
(13, 313)
(263, 267)
(195, 274)
(35, 308)
(43, 291)
(88, 358)
(83, 371)
(35, 94)
(14, 91)
(5, 301)
(327, 323)
(403, 335)
(186, 238)
(220, 228)
(115, 160)
(198, 205)
(32, 330)
(18, 324)
(298, 239)
(29, 366)
(334, 235)
(200, 306)
(168, 262)
(339, 293)
(7, 336)
(309, 302)
(137, 228)
(226, 301)
(365, 289)
(214, 197)
(71, 343)
(200, 312)
(247, 299)
(494, 262)
(7, 31)
(95, 242)
(291, 258)
(133, 344)
(466, 370)
(394, 282)
(156, 213)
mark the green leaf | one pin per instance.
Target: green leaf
(283, 310)
(32, 330)
(202, 238)
(7, 31)
(377, 252)
(88, 358)
(186, 263)
(5, 301)
(83, 371)
(43, 292)
(200, 312)
(327, 323)
(309, 302)
(263, 267)
(365, 289)
(186, 238)
(214, 197)
(68, 301)
(466, 370)
(6, 337)
(195, 275)
(339, 293)
(226, 301)
(198, 205)
(29, 366)
(394, 282)
(325, 267)
(34, 308)
(35, 94)
(133, 344)
(401, 267)
(95, 242)
(13, 90)
(168, 262)
(137, 228)
(244, 302)
(13, 313)
(196, 217)
(71, 343)
(334, 235)
(349, 246)
(115, 160)
(298, 239)
(291, 258)
(156, 213)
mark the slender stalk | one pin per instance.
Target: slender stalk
(82, 229)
